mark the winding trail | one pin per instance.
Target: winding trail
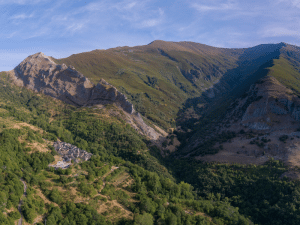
(20, 203)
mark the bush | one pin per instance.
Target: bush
(283, 138)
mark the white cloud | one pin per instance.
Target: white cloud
(295, 3)
(22, 16)
(94, 6)
(130, 5)
(21, 2)
(150, 23)
(75, 27)
(280, 32)
(215, 7)
(122, 6)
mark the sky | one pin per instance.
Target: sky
(60, 28)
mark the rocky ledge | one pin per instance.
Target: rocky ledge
(40, 73)
(268, 106)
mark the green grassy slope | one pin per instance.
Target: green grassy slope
(278, 60)
(122, 183)
(142, 189)
(253, 64)
(286, 69)
(158, 77)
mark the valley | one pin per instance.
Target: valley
(168, 133)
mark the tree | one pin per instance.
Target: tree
(81, 219)
(147, 205)
(55, 196)
(3, 201)
(145, 219)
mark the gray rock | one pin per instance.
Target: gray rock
(40, 73)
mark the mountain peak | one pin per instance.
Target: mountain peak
(39, 59)
(156, 41)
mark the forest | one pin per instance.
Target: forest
(159, 190)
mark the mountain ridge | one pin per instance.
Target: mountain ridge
(230, 77)
(231, 155)
(41, 74)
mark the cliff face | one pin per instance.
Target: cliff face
(268, 106)
(40, 73)
(265, 121)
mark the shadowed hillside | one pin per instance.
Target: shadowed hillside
(232, 158)
(260, 96)
(158, 77)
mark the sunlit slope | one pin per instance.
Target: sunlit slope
(281, 64)
(286, 69)
(157, 77)
(109, 188)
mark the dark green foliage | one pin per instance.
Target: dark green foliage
(55, 196)
(31, 206)
(260, 143)
(15, 215)
(153, 188)
(86, 189)
(38, 160)
(219, 189)
(144, 219)
(6, 220)
(71, 213)
(256, 190)
(152, 81)
(283, 138)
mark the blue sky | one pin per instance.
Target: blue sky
(60, 28)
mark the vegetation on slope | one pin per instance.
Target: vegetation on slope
(139, 191)
(287, 74)
(259, 191)
(159, 77)
(125, 182)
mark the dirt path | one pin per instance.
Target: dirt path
(20, 203)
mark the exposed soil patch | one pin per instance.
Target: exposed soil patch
(255, 151)
(35, 146)
(21, 125)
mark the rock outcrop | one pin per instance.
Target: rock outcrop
(267, 106)
(40, 73)
(265, 122)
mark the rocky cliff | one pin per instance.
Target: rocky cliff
(41, 74)
(265, 122)
(268, 106)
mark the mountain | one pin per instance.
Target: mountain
(166, 133)
(120, 182)
(187, 85)
(248, 108)
(159, 77)
(41, 74)
(196, 88)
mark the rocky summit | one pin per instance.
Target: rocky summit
(86, 155)
(40, 73)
